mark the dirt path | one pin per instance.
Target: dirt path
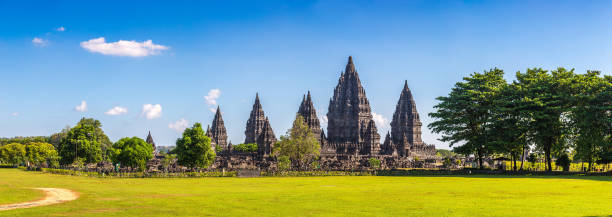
(53, 196)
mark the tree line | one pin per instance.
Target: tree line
(86, 143)
(559, 113)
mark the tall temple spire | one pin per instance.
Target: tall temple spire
(349, 114)
(308, 112)
(406, 125)
(150, 141)
(218, 131)
(255, 123)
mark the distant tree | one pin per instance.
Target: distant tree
(532, 159)
(132, 152)
(168, 160)
(193, 149)
(284, 163)
(13, 154)
(464, 116)
(23, 140)
(56, 138)
(246, 148)
(564, 162)
(374, 163)
(299, 144)
(85, 141)
(41, 153)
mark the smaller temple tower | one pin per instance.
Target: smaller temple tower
(218, 133)
(151, 142)
(258, 130)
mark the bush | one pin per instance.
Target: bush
(564, 162)
(374, 163)
(246, 148)
(284, 163)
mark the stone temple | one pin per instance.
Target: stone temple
(352, 135)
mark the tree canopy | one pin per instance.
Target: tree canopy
(132, 152)
(299, 145)
(193, 148)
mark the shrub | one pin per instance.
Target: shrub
(374, 163)
(564, 162)
(246, 148)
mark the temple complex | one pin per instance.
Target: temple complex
(352, 135)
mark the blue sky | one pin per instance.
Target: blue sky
(52, 57)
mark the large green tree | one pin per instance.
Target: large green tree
(546, 100)
(13, 154)
(193, 149)
(86, 140)
(464, 116)
(41, 154)
(132, 152)
(299, 145)
(591, 116)
(508, 132)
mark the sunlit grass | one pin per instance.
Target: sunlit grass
(320, 196)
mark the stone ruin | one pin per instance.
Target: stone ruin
(352, 136)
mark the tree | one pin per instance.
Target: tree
(85, 140)
(374, 163)
(508, 131)
(246, 148)
(299, 144)
(132, 152)
(168, 160)
(41, 153)
(590, 117)
(532, 158)
(56, 138)
(193, 149)
(564, 162)
(464, 116)
(13, 154)
(546, 100)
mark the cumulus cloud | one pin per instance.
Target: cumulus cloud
(213, 95)
(39, 42)
(82, 107)
(381, 122)
(117, 110)
(123, 48)
(179, 126)
(60, 29)
(15, 114)
(151, 111)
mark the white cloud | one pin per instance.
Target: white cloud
(213, 110)
(15, 114)
(116, 111)
(213, 95)
(381, 122)
(82, 107)
(39, 42)
(60, 29)
(179, 126)
(151, 111)
(123, 48)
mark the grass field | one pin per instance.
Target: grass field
(315, 196)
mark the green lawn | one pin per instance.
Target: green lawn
(316, 196)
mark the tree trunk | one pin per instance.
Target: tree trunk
(480, 159)
(548, 158)
(522, 158)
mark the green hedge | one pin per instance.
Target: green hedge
(139, 174)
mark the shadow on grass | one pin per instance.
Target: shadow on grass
(593, 178)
